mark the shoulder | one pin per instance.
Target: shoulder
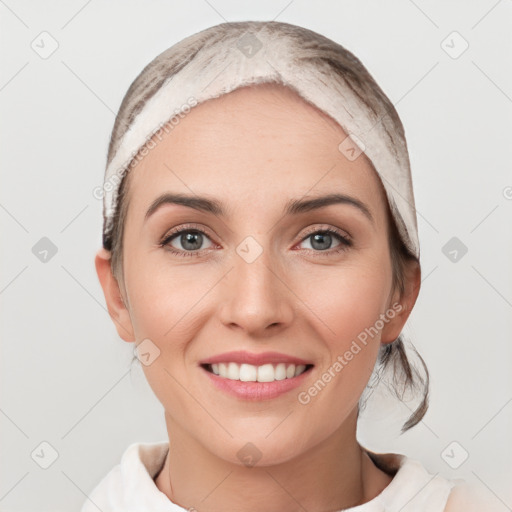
(130, 483)
(413, 488)
(470, 497)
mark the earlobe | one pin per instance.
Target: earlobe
(115, 305)
(394, 327)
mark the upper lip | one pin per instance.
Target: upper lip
(241, 356)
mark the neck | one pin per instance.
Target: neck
(335, 474)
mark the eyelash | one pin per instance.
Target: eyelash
(345, 242)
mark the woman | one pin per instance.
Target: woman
(260, 247)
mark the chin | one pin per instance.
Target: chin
(254, 448)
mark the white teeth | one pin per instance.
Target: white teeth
(264, 373)
(280, 372)
(233, 371)
(299, 369)
(248, 373)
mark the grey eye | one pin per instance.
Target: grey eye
(190, 240)
(321, 240)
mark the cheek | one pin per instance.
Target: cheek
(162, 295)
(164, 303)
(349, 299)
(349, 305)
(170, 304)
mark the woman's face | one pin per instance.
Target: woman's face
(263, 277)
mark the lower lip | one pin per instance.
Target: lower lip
(256, 390)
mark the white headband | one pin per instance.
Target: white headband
(211, 74)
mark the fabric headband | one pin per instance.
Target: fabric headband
(213, 72)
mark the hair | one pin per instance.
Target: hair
(320, 51)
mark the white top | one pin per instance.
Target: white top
(130, 487)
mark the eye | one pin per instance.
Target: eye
(186, 241)
(189, 241)
(321, 241)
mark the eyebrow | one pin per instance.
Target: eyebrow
(292, 207)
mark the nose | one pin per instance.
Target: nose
(256, 298)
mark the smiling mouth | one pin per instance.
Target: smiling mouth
(251, 373)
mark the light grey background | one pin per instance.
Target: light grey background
(65, 376)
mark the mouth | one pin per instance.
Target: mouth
(251, 373)
(251, 383)
(252, 376)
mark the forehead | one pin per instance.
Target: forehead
(256, 145)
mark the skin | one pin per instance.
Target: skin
(254, 149)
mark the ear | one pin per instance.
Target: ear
(402, 305)
(115, 304)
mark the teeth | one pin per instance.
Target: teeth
(280, 372)
(264, 373)
(248, 373)
(233, 372)
(299, 369)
